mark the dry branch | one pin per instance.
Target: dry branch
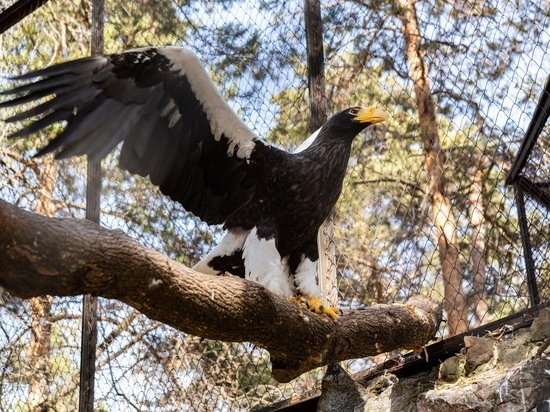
(66, 257)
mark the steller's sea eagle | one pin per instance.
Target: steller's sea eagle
(177, 129)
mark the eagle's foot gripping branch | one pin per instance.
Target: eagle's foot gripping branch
(314, 304)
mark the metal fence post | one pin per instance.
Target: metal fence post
(326, 269)
(93, 194)
(534, 298)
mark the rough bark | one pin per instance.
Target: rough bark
(441, 210)
(66, 257)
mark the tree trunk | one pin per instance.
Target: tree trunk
(441, 210)
(478, 300)
(39, 353)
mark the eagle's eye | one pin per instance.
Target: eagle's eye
(354, 111)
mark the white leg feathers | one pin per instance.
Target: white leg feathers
(231, 242)
(306, 278)
(263, 265)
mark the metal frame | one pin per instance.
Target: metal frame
(524, 186)
(17, 12)
(530, 268)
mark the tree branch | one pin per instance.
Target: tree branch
(67, 257)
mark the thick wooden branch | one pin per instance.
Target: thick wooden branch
(67, 257)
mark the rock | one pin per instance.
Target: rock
(451, 400)
(540, 328)
(523, 388)
(494, 375)
(514, 348)
(451, 369)
(478, 352)
(339, 391)
(381, 383)
(544, 406)
(403, 396)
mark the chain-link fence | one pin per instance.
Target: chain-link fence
(425, 208)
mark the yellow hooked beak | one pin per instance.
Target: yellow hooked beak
(370, 115)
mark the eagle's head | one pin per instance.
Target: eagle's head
(349, 122)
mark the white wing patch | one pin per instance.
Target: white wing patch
(262, 264)
(223, 120)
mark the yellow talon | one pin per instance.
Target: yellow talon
(316, 305)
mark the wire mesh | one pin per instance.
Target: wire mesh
(424, 209)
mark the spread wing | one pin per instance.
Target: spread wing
(160, 102)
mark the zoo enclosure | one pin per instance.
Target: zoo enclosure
(425, 208)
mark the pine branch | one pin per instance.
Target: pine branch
(67, 257)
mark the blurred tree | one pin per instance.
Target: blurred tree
(442, 214)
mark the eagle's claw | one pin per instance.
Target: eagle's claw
(314, 304)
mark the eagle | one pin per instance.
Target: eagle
(176, 128)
